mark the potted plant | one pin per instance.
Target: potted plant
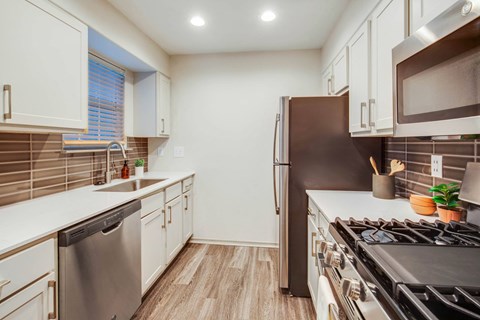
(446, 199)
(139, 166)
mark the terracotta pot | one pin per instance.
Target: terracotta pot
(449, 214)
(423, 210)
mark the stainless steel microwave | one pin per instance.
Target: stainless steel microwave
(437, 75)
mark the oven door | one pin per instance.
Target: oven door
(329, 306)
(437, 75)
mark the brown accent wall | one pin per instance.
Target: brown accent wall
(33, 165)
(416, 153)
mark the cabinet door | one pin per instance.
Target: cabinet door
(388, 30)
(327, 81)
(423, 11)
(35, 302)
(153, 247)
(340, 71)
(44, 66)
(174, 212)
(187, 216)
(359, 76)
(163, 105)
(311, 263)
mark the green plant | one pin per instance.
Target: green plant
(447, 194)
(139, 163)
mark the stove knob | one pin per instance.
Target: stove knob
(334, 259)
(325, 246)
(351, 288)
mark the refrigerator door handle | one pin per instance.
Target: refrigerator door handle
(275, 163)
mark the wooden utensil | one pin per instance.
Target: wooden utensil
(396, 166)
(374, 165)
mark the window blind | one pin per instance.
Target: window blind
(106, 92)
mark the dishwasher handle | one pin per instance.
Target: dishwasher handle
(112, 228)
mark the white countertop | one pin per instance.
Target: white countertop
(361, 204)
(27, 221)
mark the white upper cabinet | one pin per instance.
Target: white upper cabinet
(43, 68)
(388, 30)
(327, 81)
(151, 105)
(340, 72)
(359, 64)
(371, 70)
(423, 11)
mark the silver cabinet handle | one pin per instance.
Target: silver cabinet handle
(362, 105)
(52, 284)
(333, 84)
(8, 88)
(314, 235)
(3, 283)
(170, 210)
(164, 219)
(370, 122)
(329, 86)
(186, 203)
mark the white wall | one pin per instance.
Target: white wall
(223, 111)
(108, 21)
(355, 13)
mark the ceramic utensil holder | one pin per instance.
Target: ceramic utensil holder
(383, 186)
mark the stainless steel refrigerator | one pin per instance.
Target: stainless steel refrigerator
(313, 150)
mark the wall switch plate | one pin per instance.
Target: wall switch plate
(178, 152)
(160, 151)
(437, 166)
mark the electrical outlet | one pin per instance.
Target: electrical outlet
(437, 166)
(179, 152)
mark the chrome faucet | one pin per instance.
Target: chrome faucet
(108, 173)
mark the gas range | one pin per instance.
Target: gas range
(404, 269)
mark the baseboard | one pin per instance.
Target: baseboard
(235, 243)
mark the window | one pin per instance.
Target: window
(106, 87)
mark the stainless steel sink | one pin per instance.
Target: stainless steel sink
(132, 185)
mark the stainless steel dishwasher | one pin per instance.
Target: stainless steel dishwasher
(99, 266)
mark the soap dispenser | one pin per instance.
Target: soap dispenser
(125, 171)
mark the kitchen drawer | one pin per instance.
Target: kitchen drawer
(152, 203)
(187, 184)
(173, 191)
(322, 222)
(26, 266)
(312, 210)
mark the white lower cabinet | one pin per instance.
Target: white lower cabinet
(187, 216)
(174, 216)
(154, 239)
(36, 302)
(312, 260)
(28, 284)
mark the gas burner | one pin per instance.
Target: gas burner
(409, 232)
(377, 236)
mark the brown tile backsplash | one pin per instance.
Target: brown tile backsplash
(33, 165)
(416, 153)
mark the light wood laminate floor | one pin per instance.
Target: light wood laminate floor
(220, 283)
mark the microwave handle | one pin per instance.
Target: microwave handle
(362, 105)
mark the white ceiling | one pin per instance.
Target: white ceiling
(233, 25)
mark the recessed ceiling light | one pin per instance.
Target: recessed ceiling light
(268, 16)
(197, 21)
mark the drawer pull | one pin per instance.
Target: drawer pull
(170, 210)
(52, 284)
(186, 203)
(314, 235)
(3, 283)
